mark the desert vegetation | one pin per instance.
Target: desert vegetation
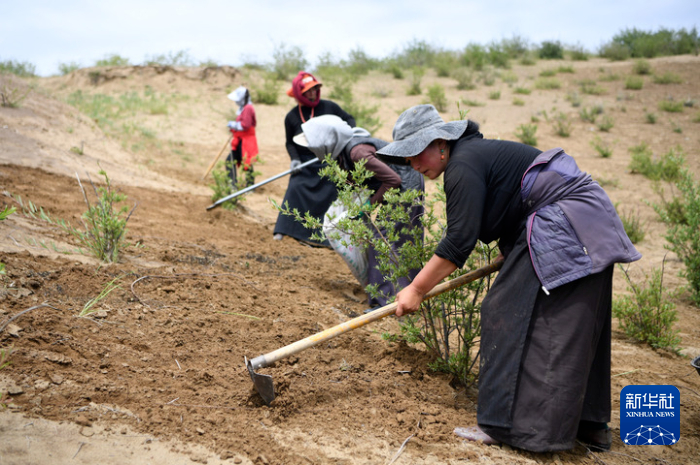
(147, 327)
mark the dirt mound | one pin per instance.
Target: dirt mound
(156, 373)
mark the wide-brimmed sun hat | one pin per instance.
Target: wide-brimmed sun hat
(416, 128)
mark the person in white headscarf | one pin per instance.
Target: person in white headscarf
(329, 134)
(244, 143)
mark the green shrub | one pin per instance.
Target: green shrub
(495, 95)
(641, 67)
(12, 93)
(509, 77)
(645, 44)
(562, 124)
(287, 62)
(18, 68)
(593, 89)
(475, 57)
(67, 68)
(574, 98)
(415, 81)
(445, 62)
(606, 123)
(112, 60)
(528, 59)
(394, 69)
(614, 52)
(578, 53)
(465, 78)
(223, 187)
(526, 134)
(667, 78)
(417, 53)
(180, 58)
(633, 226)
(488, 76)
(634, 83)
(650, 118)
(472, 103)
(103, 231)
(667, 168)
(268, 94)
(603, 148)
(436, 96)
(365, 116)
(551, 50)
(590, 114)
(518, 102)
(522, 90)
(671, 106)
(497, 56)
(547, 83)
(682, 218)
(648, 314)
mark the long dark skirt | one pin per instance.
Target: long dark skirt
(564, 369)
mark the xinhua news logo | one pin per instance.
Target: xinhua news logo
(650, 415)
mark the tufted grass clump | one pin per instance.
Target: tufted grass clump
(633, 226)
(648, 314)
(634, 83)
(436, 96)
(526, 134)
(602, 147)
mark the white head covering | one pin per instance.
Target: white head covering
(326, 134)
(239, 96)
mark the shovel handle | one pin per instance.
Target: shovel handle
(213, 162)
(266, 360)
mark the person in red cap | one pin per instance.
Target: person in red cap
(307, 191)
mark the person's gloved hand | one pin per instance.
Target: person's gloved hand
(235, 125)
(295, 166)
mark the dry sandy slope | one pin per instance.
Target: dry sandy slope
(158, 378)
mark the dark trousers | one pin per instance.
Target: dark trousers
(233, 160)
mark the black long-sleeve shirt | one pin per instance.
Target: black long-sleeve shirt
(482, 187)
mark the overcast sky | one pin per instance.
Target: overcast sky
(47, 33)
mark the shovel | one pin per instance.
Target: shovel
(261, 183)
(263, 383)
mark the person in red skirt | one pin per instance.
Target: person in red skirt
(244, 144)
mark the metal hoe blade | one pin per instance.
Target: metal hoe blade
(263, 383)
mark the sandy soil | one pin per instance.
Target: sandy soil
(157, 374)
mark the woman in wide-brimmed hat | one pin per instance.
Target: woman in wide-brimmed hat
(544, 379)
(306, 191)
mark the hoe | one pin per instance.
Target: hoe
(263, 383)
